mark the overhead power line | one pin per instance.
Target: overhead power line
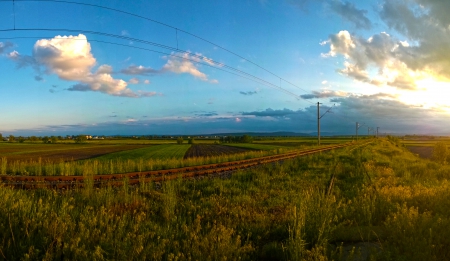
(197, 56)
(252, 78)
(166, 25)
(218, 65)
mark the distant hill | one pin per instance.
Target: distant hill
(262, 134)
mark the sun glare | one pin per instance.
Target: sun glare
(430, 94)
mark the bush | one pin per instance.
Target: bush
(191, 141)
(45, 139)
(180, 140)
(246, 139)
(80, 139)
(440, 152)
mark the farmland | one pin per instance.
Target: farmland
(204, 150)
(384, 204)
(423, 145)
(121, 157)
(58, 152)
(166, 151)
(255, 146)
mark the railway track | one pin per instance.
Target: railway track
(133, 178)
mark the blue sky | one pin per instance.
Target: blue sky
(96, 71)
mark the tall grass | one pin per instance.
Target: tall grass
(112, 166)
(374, 211)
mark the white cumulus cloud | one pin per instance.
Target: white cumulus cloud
(71, 59)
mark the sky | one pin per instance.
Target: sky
(204, 67)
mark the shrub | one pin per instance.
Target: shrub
(180, 140)
(246, 139)
(45, 139)
(80, 139)
(440, 152)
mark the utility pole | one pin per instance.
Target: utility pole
(318, 123)
(318, 120)
(357, 127)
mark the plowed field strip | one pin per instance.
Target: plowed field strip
(165, 151)
(424, 152)
(211, 150)
(28, 182)
(71, 153)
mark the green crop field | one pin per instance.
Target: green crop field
(165, 151)
(254, 146)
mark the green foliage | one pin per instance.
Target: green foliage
(246, 139)
(256, 146)
(179, 140)
(21, 139)
(45, 139)
(33, 138)
(11, 138)
(440, 152)
(395, 140)
(53, 139)
(1, 137)
(165, 151)
(80, 139)
(191, 141)
(233, 139)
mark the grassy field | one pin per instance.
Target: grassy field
(254, 146)
(58, 152)
(118, 156)
(385, 204)
(150, 158)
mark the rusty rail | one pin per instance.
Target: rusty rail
(133, 178)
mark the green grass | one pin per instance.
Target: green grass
(166, 151)
(254, 146)
(386, 203)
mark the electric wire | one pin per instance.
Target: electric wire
(163, 24)
(253, 78)
(206, 59)
(239, 72)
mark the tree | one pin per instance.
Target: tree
(191, 141)
(1, 137)
(54, 139)
(246, 139)
(179, 140)
(440, 152)
(11, 138)
(33, 138)
(80, 139)
(45, 139)
(21, 139)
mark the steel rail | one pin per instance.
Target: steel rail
(134, 178)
